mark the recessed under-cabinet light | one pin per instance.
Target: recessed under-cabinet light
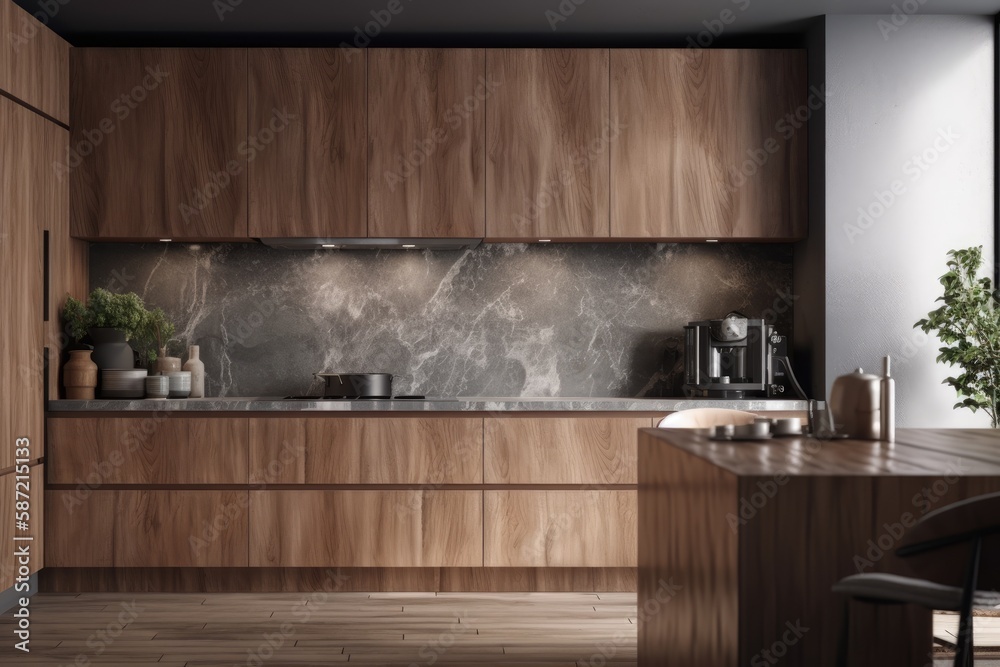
(711, 240)
(545, 240)
(165, 240)
(409, 245)
(329, 245)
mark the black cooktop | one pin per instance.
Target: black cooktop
(354, 398)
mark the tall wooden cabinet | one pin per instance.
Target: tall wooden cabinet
(548, 137)
(160, 143)
(33, 201)
(312, 180)
(706, 147)
(426, 159)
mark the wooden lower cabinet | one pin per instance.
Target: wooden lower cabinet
(12, 492)
(595, 528)
(146, 528)
(561, 450)
(367, 450)
(153, 449)
(393, 528)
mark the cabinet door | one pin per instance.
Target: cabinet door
(34, 62)
(160, 143)
(311, 180)
(589, 450)
(154, 449)
(548, 138)
(426, 142)
(369, 450)
(705, 150)
(29, 144)
(140, 528)
(560, 529)
(366, 528)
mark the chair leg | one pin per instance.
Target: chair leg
(845, 634)
(963, 656)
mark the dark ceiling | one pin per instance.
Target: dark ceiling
(539, 21)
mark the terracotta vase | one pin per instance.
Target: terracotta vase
(80, 376)
(197, 368)
(165, 364)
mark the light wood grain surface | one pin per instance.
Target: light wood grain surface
(168, 450)
(426, 171)
(294, 450)
(562, 451)
(312, 180)
(175, 161)
(693, 120)
(548, 136)
(366, 528)
(550, 629)
(130, 528)
(527, 528)
(34, 62)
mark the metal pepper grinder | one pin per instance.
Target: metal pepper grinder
(887, 404)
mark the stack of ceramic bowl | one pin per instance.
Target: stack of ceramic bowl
(157, 387)
(122, 383)
(180, 383)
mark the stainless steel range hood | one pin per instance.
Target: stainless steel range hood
(369, 244)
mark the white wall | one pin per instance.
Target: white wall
(924, 89)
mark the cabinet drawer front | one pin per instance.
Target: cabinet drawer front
(33, 491)
(146, 528)
(371, 450)
(593, 450)
(366, 529)
(560, 529)
(159, 449)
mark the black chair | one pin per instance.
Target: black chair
(971, 526)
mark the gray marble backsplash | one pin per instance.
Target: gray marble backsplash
(501, 320)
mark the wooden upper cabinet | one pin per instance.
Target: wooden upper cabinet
(706, 148)
(34, 62)
(426, 110)
(548, 137)
(311, 180)
(160, 143)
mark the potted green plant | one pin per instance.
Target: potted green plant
(968, 323)
(115, 323)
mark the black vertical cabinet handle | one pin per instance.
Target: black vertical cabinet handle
(46, 267)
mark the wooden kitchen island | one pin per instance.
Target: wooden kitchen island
(740, 543)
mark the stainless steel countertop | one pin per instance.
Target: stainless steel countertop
(431, 404)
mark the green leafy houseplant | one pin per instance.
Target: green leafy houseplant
(968, 323)
(146, 330)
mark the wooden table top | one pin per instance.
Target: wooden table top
(916, 452)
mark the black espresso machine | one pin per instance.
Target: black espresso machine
(737, 357)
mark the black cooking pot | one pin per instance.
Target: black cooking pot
(374, 385)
